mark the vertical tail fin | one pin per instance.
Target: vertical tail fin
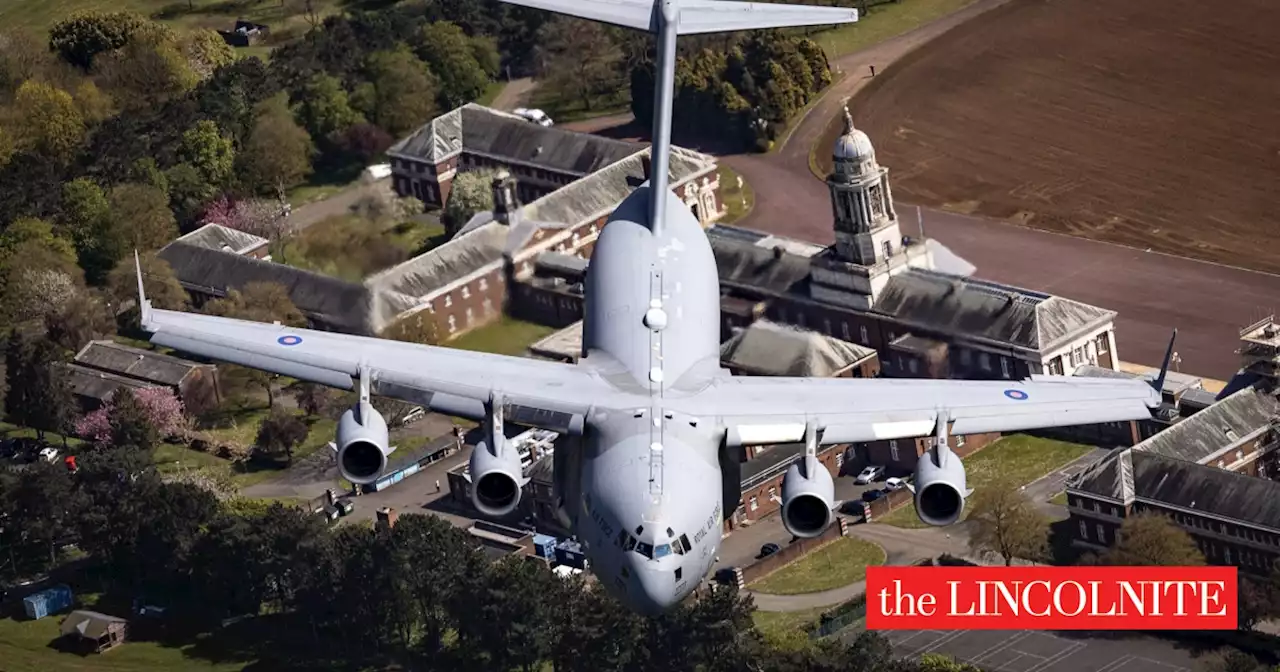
(668, 19)
(1158, 383)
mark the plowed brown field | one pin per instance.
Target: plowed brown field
(1152, 123)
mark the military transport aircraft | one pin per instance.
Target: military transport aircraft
(653, 428)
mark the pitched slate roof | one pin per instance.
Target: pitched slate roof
(344, 305)
(100, 385)
(218, 237)
(774, 349)
(1226, 422)
(481, 130)
(137, 363)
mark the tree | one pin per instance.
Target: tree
(256, 216)
(400, 94)
(35, 232)
(581, 59)
(324, 109)
(279, 433)
(36, 292)
(361, 143)
(1151, 539)
(260, 302)
(277, 154)
(315, 400)
(82, 318)
(470, 193)
(85, 211)
(206, 51)
(149, 69)
(142, 216)
(158, 280)
(146, 171)
(1007, 523)
(936, 662)
(129, 423)
(36, 268)
(94, 104)
(189, 192)
(39, 395)
(449, 53)
(207, 150)
(47, 121)
(82, 36)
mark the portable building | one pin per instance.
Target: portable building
(570, 553)
(48, 601)
(544, 545)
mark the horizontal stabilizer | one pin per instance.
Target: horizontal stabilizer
(694, 17)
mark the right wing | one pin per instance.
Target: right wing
(695, 16)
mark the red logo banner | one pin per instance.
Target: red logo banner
(1051, 598)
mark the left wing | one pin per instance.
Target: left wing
(545, 394)
(767, 410)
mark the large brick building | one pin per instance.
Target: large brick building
(1211, 473)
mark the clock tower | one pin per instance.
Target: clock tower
(866, 224)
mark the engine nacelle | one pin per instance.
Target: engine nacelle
(496, 478)
(363, 444)
(940, 488)
(808, 494)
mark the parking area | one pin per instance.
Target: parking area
(1031, 651)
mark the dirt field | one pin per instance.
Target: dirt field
(1149, 123)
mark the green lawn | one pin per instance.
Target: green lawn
(1060, 499)
(883, 22)
(737, 202)
(564, 109)
(353, 247)
(1020, 457)
(285, 18)
(491, 92)
(25, 646)
(507, 336)
(839, 563)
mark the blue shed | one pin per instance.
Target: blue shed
(570, 553)
(545, 546)
(48, 601)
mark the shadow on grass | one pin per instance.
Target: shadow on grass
(176, 10)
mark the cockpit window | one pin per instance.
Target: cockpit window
(645, 549)
(661, 551)
(631, 544)
(684, 542)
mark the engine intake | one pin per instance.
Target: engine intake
(808, 494)
(940, 488)
(363, 445)
(496, 478)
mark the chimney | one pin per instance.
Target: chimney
(387, 517)
(505, 204)
(646, 163)
(778, 251)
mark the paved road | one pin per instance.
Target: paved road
(1028, 651)
(514, 94)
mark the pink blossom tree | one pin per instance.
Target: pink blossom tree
(162, 410)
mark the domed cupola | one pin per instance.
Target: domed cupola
(853, 148)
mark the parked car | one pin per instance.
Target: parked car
(895, 483)
(345, 506)
(769, 549)
(872, 495)
(872, 473)
(536, 116)
(726, 576)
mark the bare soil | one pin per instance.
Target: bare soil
(1150, 123)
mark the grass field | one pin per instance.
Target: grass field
(563, 109)
(883, 22)
(1020, 457)
(282, 16)
(839, 563)
(737, 202)
(507, 336)
(1059, 499)
(1060, 116)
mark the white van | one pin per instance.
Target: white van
(536, 116)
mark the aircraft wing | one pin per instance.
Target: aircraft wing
(768, 410)
(696, 16)
(545, 394)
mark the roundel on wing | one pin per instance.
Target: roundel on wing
(289, 340)
(1016, 395)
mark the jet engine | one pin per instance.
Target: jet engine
(808, 495)
(496, 476)
(363, 444)
(940, 487)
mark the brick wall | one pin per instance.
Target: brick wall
(792, 552)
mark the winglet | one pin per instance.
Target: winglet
(1158, 383)
(144, 306)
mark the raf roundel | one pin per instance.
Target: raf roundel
(1017, 395)
(289, 340)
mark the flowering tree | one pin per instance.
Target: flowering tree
(258, 217)
(162, 410)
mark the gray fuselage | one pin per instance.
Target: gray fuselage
(648, 502)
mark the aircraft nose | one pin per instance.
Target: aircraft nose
(656, 590)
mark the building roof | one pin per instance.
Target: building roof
(743, 263)
(1132, 475)
(1199, 436)
(335, 302)
(986, 310)
(780, 350)
(213, 236)
(783, 453)
(412, 283)
(564, 264)
(481, 130)
(95, 384)
(90, 624)
(1174, 383)
(915, 344)
(137, 363)
(566, 343)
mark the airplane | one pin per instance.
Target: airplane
(653, 428)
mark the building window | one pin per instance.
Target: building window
(984, 361)
(912, 365)
(484, 284)
(966, 358)
(1226, 554)
(430, 308)
(1084, 530)
(448, 300)
(575, 240)
(466, 293)
(826, 326)
(844, 330)
(488, 307)
(754, 504)
(1004, 366)
(839, 459)
(453, 324)
(959, 440)
(1102, 343)
(862, 334)
(1102, 533)
(893, 450)
(888, 250)
(469, 317)
(594, 229)
(800, 319)
(773, 492)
